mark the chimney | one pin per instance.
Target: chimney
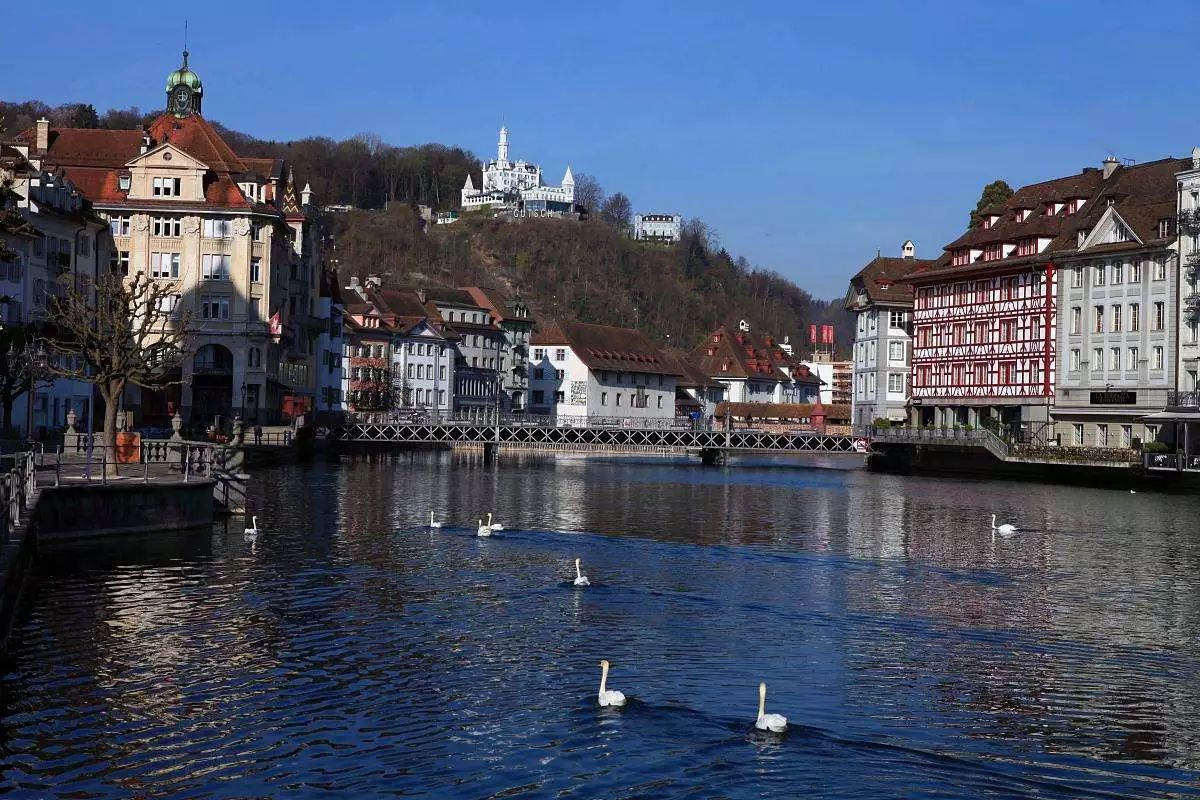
(909, 249)
(42, 144)
(145, 139)
(421, 296)
(1110, 165)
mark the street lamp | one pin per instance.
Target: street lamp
(34, 361)
(243, 414)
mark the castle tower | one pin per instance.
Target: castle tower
(502, 147)
(184, 90)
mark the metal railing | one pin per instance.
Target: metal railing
(16, 492)
(1174, 462)
(1188, 399)
(488, 416)
(973, 437)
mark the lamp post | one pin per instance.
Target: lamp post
(243, 414)
(34, 361)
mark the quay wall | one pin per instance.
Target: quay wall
(958, 461)
(79, 512)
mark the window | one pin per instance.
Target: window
(1099, 275)
(1116, 319)
(169, 305)
(1160, 269)
(1156, 362)
(1132, 364)
(560, 354)
(1134, 317)
(164, 265)
(1077, 437)
(604, 398)
(1160, 315)
(1135, 272)
(538, 354)
(1077, 277)
(118, 225)
(1099, 319)
(120, 261)
(215, 267)
(1097, 358)
(559, 374)
(618, 395)
(1114, 358)
(254, 357)
(166, 187)
(1027, 246)
(1074, 359)
(1076, 320)
(896, 319)
(896, 351)
(895, 382)
(961, 257)
(256, 270)
(123, 183)
(214, 306)
(1151, 433)
(218, 229)
(1118, 273)
(993, 252)
(85, 246)
(560, 397)
(1102, 435)
(167, 226)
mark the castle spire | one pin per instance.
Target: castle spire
(502, 147)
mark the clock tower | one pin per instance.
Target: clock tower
(184, 90)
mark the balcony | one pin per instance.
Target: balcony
(1188, 399)
(1172, 462)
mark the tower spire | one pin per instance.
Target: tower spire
(502, 147)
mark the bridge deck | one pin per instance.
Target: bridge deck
(534, 435)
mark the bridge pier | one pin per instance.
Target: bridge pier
(490, 451)
(712, 457)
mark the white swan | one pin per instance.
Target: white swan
(483, 530)
(432, 523)
(494, 526)
(253, 531)
(776, 723)
(1003, 530)
(608, 697)
(580, 578)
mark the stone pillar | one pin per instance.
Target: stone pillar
(176, 425)
(70, 436)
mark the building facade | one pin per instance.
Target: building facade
(230, 232)
(882, 302)
(513, 317)
(1117, 300)
(754, 367)
(1187, 278)
(590, 374)
(516, 186)
(657, 227)
(480, 343)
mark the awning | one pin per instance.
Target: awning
(1173, 416)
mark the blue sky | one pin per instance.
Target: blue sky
(807, 135)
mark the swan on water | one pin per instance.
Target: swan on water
(580, 578)
(608, 697)
(776, 723)
(494, 526)
(1003, 530)
(253, 531)
(483, 530)
(432, 523)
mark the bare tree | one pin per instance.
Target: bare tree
(123, 331)
(588, 192)
(617, 211)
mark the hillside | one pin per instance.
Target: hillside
(582, 270)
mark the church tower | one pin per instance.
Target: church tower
(502, 147)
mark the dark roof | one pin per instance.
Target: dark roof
(501, 306)
(882, 280)
(732, 353)
(606, 347)
(453, 297)
(690, 374)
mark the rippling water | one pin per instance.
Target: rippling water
(351, 651)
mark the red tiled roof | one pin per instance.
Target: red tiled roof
(742, 354)
(87, 147)
(196, 137)
(882, 280)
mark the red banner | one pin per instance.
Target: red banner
(826, 334)
(812, 334)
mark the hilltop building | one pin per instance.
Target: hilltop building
(882, 303)
(516, 187)
(657, 227)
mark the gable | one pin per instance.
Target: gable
(1111, 228)
(166, 156)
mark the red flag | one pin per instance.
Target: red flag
(812, 334)
(826, 334)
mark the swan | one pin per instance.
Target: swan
(432, 523)
(253, 531)
(608, 697)
(1133, 491)
(1003, 530)
(776, 723)
(494, 526)
(580, 578)
(483, 530)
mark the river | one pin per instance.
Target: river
(351, 651)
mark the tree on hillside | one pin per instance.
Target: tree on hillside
(75, 115)
(995, 192)
(617, 211)
(121, 332)
(588, 192)
(123, 119)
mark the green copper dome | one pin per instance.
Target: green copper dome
(185, 76)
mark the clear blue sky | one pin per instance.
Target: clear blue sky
(807, 135)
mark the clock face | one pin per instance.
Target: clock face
(181, 101)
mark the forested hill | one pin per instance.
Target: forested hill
(582, 270)
(588, 271)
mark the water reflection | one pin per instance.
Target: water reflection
(352, 648)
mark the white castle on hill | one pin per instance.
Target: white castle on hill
(517, 186)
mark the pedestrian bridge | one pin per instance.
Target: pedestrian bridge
(711, 444)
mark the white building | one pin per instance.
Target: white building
(755, 367)
(517, 186)
(882, 303)
(1188, 322)
(657, 227)
(588, 374)
(330, 348)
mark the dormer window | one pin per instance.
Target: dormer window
(123, 183)
(1164, 228)
(1073, 204)
(993, 252)
(1081, 237)
(166, 187)
(1022, 214)
(961, 258)
(884, 285)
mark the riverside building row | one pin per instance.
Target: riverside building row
(1066, 315)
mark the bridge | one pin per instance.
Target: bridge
(712, 445)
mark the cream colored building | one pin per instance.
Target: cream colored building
(182, 206)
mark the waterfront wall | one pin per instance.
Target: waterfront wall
(76, 512)
(958, 461)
